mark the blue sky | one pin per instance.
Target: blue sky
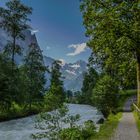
(59, 29)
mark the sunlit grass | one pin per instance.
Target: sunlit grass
(137, 118)
(108, 128)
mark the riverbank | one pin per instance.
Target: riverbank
(108, 128)
(18, 112)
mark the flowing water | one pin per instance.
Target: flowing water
(21, 129)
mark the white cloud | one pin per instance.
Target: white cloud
(63, 62)
(34, 31)
(79, 48)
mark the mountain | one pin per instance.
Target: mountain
(29, 38)
(72, 72)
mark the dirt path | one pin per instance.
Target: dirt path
(127, 129)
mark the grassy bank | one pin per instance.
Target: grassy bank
(107, 129)
(137, 118)
(16, 114)
(20, 111)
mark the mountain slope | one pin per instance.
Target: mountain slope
(72, 72)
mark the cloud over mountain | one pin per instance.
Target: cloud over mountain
(78, 48)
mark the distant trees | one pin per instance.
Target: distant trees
(113, 28)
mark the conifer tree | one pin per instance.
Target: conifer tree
(35, 70)
(55, 96)
(14, 20)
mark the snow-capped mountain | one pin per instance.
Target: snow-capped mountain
(72, 72)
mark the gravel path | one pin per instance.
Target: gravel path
(127, 129)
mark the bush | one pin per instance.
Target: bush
(75, 133)
(71, 134)
(88, 130)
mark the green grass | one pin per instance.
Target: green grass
(19, 111)
(108, 128)
(123, 96)
(137, 118)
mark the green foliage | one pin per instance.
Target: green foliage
(88, 130)
(71, 134)
(55, 95)
(35, 72)
(113, 28)
(52, 123)
(77, 133)
(14, 20)
(90, 79)
(20, 85)
(105, 95)
(10, 84)
(137, 118)
(108, 128)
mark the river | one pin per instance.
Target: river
(21, 129)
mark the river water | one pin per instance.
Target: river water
(21, 129)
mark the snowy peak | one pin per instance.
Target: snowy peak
(72, 73)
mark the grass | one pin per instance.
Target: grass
(137, 118)
(108, 128)
(19, 111)
(123, 96)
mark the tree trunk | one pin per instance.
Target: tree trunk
(138, 83)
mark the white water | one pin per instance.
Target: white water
(21, 129)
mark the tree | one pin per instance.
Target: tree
(5, 78)
(35, 70)
(90, 79)
(14, 21)
(56, 81)
(105, 95)
(113, 28)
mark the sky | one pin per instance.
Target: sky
(59, 28)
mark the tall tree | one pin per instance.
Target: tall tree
(35, 70)
(105, 95)
(14, 19)
(114, 30)
(90, 79)
(56, 74)
(55, 95)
